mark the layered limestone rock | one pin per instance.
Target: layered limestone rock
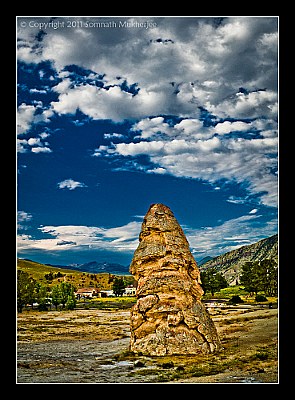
(168, 317)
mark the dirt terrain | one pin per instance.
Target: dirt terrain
(91, 346)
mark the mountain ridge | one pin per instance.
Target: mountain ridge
(230, 263)
(96, 267)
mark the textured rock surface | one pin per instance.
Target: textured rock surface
(168, 317)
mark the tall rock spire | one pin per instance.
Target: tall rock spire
(168, 317)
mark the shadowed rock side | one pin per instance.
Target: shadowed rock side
(168, 317)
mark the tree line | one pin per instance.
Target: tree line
(260, 276)
(256, 276)
(30, 291)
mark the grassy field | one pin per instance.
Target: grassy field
(37, 270)
(78, 279)
(238, 290)
(107, 303)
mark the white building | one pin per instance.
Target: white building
(129, 291)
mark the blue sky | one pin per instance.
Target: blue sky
(117, 113)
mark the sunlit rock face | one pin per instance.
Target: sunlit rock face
(168, 317)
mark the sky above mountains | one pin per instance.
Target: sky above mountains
(117, 113)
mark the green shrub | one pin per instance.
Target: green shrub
(260, 355)
(260, 297)
(235, 300)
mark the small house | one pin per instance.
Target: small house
(130, 290)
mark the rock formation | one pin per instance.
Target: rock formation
(168, 317)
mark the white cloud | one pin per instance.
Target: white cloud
(25, 116)
(40, 91)
(41, 150)
(112, 103)
(188, 62)
(62, 238)
(156, 128)
(113, 135)
(22, 145)
(23, 216)
(193, 129)
(150, 127)
(253, 211)
(27, 49)
(247, 105)
(34, 144)
(267, 46)
(158, 170)
(227, 127)
(231, 234)
(133, 149)
(126, 233)
(44, 135)
(63, 86)
(190, 150)
(70, 184)
(236, 200)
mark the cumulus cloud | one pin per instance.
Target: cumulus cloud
(27, 115)
(182, 68)
(70, 184)
(34, 144)
(63, 86)
(117, 104)
(266, 127)
(156, 127)
(247, 105)
(227, 127)
(96, 102)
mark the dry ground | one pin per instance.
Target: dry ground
(91, 346)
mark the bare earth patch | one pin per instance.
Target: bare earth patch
(92, 346)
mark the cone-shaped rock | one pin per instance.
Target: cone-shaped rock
(168, 317)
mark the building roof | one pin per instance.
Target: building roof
(87, 290)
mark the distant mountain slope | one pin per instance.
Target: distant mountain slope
(38, 270)
(204, 260)
(92, 267)
(230, 263)
(95, 267)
